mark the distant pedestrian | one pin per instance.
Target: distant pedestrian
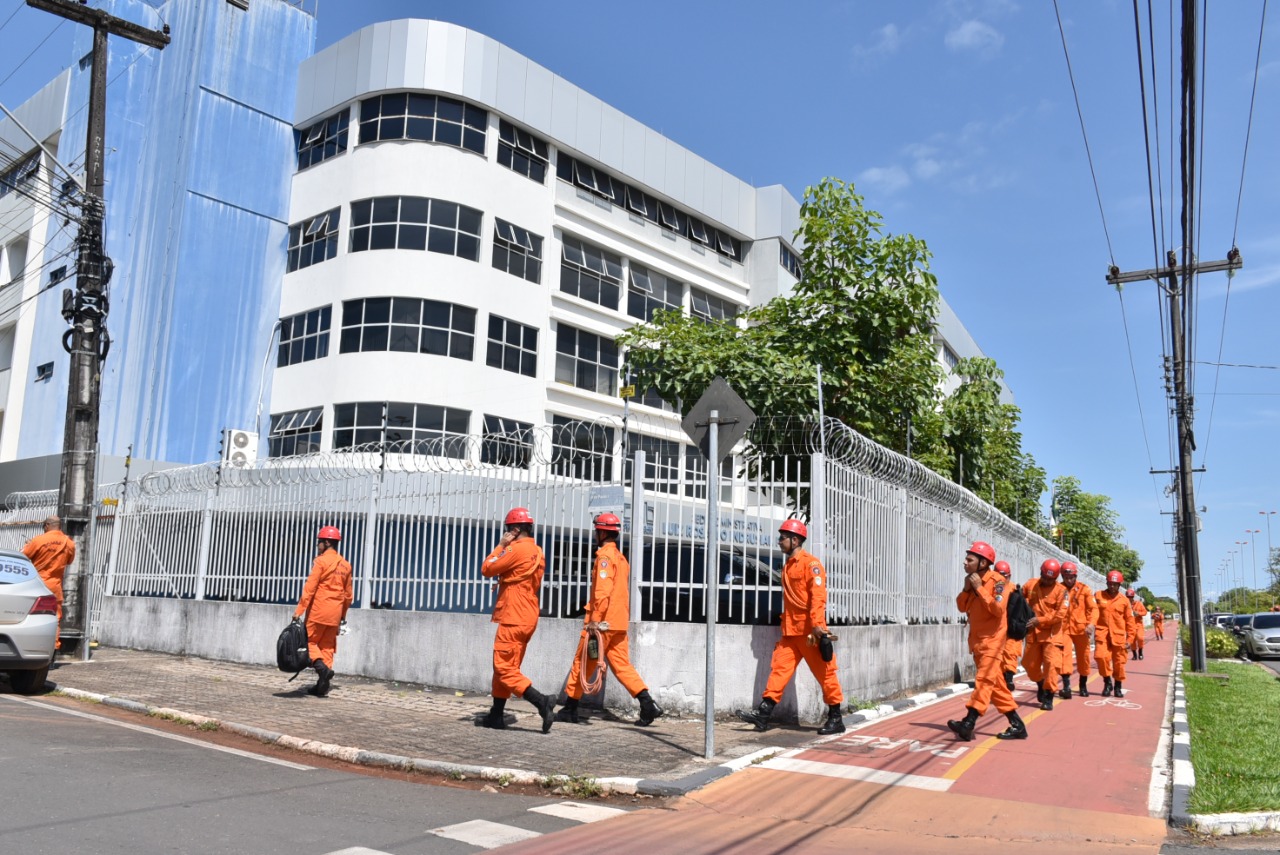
(1114, 635)
(517, 563)
(609, 614)
(804, 633)
(1139, 624)
(983, 599)
(325, 600)
(1046, 636)
(52, 553)
(1012, 646)
(1157, 622)
(1082, 619)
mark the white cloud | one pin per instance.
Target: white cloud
(974, 36)
(888, 179)
(926, 167)
(886, 43)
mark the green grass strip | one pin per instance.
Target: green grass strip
(1235, 738)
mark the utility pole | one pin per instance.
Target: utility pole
(86, 311)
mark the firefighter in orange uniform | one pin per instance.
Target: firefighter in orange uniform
(1157, 622)
(1115, 633)
(1012, 646)
(1082, 617)
(609, 613)
(517, 563)
(1045, 631)
(52, 552)
(1139, 625)
(982, 599)
(804, 633)
(325, 600)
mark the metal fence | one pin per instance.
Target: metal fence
(418, 520)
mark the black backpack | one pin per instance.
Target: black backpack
(1019, 614)
(291, 649)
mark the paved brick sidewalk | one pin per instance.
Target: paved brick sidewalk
(415, 721)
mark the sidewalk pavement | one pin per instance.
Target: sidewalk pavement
(429, 729)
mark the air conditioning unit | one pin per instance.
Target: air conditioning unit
(239, 447)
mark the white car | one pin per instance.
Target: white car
(28, 624)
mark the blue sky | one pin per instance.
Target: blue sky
(956, 120)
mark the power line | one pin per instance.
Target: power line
(16, 10)
(1257, 64)
(1080, 113)
(33, 52)
(1242, 365)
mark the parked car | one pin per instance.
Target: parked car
(28, 624)
(1219, 620)
(1239, 624)
(1263, 636)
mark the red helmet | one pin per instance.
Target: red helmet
(1129, 593)
(329, 533)
(608, 522)
(794, 526)
(1069, 568)
(983, 550)
(518, 516)
(1050, 569)
(1003, 568)
(1115, 576)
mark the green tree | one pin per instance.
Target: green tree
(1090, 527)
(863, 310)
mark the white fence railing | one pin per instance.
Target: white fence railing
(417, 522)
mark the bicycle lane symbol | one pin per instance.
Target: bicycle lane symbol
(1120, 703)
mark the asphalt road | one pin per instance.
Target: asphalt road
(78, 781)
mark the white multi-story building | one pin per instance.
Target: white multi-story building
(468, 235)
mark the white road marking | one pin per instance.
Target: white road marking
(188, 740)
(858, 773)
(358, 850)
(485, 834)
(578, 812)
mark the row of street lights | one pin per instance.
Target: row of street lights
(1232, 576)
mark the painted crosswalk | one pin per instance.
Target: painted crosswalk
(485, 834)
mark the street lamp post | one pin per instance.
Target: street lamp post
(1253, 548)
(1267, 515)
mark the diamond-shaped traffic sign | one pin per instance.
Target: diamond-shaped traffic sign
(734, 418)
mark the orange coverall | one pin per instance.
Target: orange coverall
(1081, 614)
(1157, 622)
(1114, 633)
(1045, 643)
(988, 624)
(325, 600)
(804, 609)
(610, 602)
(1012, 654)
(518, 568)
(52, 553)
(1139, 627)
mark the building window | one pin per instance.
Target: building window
(313, 241)
(591, 273)
(521, 151)
(415, 222)
(296, 432)
(651, 398)
(581, 449)
(506, 442)
(661, 462)
(949, 356)
(586, 360)
(20, 173)
(401, 428)
(44, 371)
(517, 251)
(650, 292)
(789, 260)
(427, 118)
(512, 346)
(408, 325)
(709, 307)
(304, 337)
(325, 139)
(57, 274)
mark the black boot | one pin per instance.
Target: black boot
(495, 719)
(1142, 654)
(1135, 655)
(324, 675)
(963, 728)
(834, 722)
(649, 710)
(1084, 687)
(569, 712)
(1015, 730)
(1119, 689)
(760, 715)
(1047, 703)
(1106, 687)
(1008, 680)
(1065, 692)
(546, 706)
